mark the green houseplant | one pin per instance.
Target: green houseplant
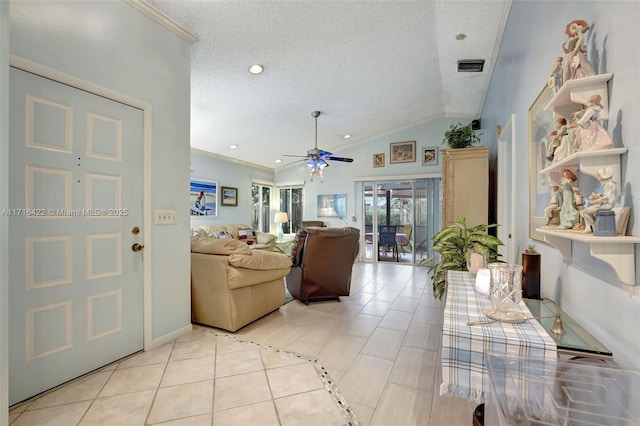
(453, 243)
(460, 136)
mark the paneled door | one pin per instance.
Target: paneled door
(76, 285)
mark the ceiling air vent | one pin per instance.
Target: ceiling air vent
(470, 65)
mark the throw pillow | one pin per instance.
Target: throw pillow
(246, 235)
(222, 234)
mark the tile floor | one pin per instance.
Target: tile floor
(379, 347)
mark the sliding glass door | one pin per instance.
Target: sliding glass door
(411, 207)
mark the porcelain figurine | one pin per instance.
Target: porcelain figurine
(604, 201)
(555, 77)
(575, 63)
(561, 145)
(569, 215)
(591, 135)
(554, 203)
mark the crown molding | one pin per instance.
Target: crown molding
(153, 13)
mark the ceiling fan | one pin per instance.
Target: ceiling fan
(317, 158)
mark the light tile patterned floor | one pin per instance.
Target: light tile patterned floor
(378, 349)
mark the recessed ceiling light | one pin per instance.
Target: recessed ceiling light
(461, 36)
(278, 161)
(233, 146)
(256, 69)
(347, 136)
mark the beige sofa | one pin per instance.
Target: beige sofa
(264, 241)
(232, 285)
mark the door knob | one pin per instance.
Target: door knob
(137, 247)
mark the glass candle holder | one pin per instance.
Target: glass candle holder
(475, 261)
(505, 289)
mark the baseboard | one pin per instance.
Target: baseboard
(162, 340)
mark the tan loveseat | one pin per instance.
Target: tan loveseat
(264, 241)
(232, 285)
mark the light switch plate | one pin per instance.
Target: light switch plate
(166, 217)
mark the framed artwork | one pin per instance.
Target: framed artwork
(402, 152)
(332, 205)
(229, 196)
(203, 197)
(430, 156)
(378, 160)
(541, 122)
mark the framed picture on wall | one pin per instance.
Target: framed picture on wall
(203, 197)
(402, 152)
(229, 196)
(378, 160)
(430, 156)
(332, 205)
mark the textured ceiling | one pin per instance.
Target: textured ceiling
(371, 67)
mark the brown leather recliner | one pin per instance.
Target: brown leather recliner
(322, 261)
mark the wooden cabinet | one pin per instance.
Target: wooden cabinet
(465, 185)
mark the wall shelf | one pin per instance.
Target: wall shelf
(618, 252)
(589, 163)
(573, 95)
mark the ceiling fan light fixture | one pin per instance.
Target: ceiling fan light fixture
(256, 69)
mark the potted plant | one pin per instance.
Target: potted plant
(460, 136)
(453, 243)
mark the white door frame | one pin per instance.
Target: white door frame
(506, 188)
(78, 83)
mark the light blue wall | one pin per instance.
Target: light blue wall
(113, 45)
(231, 174)
(339, 177)
(586, 288)
(4, 204)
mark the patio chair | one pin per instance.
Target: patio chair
(387, 240)
(406, 247)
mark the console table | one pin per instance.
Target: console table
(576, 342)
(464, 347)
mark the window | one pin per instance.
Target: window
(291, 203)
(260, 207)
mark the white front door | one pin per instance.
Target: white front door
(76, 287)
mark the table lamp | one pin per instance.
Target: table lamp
(281, 218)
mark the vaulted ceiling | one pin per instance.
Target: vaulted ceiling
(370, 67)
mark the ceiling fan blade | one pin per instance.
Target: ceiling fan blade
(301, 156)
(346, 160)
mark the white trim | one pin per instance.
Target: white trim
(147, 217)
(232, 160)
(30, 325)
(30, 261)
(162, 19)
(298, 184)
(398, 177)
(170, 337)
(262, 182)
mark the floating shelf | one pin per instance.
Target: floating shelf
(589, 163)
(574, 93)
(618, 252)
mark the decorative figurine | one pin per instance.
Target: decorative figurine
(554, 203)
(576, 64)
(569, 215)
(592, 136)
(579, 201)
(555, 78)
(560, 146)
(572, 129)
(597, 202)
